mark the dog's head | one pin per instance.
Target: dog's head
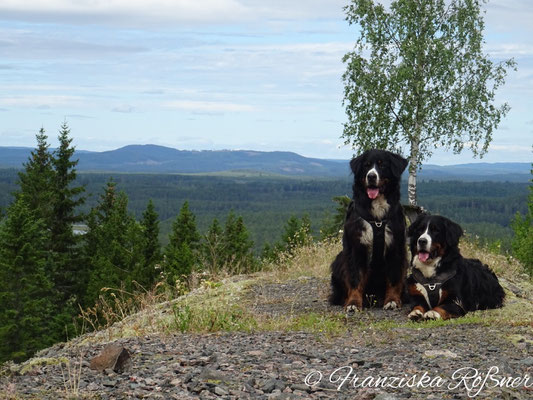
(432, 236)
(377, 172)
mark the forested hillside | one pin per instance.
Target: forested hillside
(484, 208)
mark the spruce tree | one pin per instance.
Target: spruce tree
(237, 245)
(147, 273)
(113, 245)
(27, 298)
(36, 181)
(213, 247)
(67, 198)
(182, 251)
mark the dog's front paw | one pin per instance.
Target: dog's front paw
(431, 314)
(391, 305)
(416, 315)
(351, 310)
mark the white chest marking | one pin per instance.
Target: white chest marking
(379, 207)
(367, 236)
(388, 237)
(427, 269)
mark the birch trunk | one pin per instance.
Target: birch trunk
(413, 169)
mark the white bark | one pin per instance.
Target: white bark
(413, 169)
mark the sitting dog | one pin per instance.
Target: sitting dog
(443, 284)
(371, 268)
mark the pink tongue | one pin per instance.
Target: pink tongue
(423, 256)
(372, 193)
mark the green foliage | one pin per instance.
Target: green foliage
(27, 298)
(67, 198)
(147, 273)
(523, 234)
(296, 233)
(213, 247)
(113, 245)
(182, 251)
(37, 179)
(237, 246)
(333, 224)
(418, 76)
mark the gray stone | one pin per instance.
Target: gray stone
(109, 383)
(385, 396)
(113, 356)
(220, 391)
(527, 361)
(269, 385)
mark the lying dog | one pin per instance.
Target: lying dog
(371, 268)
(443, 284)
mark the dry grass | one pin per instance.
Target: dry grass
(311, 260)
(217, 301)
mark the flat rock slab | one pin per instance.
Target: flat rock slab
(113, 357)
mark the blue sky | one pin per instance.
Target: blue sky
(212, 74)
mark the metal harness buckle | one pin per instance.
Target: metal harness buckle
(432, 286)
(378, 224)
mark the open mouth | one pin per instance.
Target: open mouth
(372, 192)
(424, 256)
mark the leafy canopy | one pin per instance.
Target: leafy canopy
(418, 76)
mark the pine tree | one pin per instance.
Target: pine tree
(182, 251)
(26, 294)
(66, 199)
(523, 234)
(332, 225)
(36, 181)
(213, 247)
(147, 273)
(237, 245)
(113, 245)
(296, 233)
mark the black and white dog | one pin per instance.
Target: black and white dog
(443, 284)
(371, 268)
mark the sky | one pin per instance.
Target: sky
(214, 74)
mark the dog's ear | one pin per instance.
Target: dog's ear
(414, 226)
(398, 164)
(453, 233)
(357, 162)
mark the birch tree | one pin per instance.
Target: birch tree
(418, 79)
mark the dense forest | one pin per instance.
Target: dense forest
(485, 209)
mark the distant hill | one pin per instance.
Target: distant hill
(159, 159)
(512, 172)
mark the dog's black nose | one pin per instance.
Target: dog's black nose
(372, 177)
(422, 242)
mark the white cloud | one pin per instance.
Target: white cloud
(143, 12)
(40, 101)
(515, 148)
(208, 106)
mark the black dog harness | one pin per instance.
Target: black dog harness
(378, 232)
(433, 284)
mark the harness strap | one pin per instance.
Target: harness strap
(433, 284)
